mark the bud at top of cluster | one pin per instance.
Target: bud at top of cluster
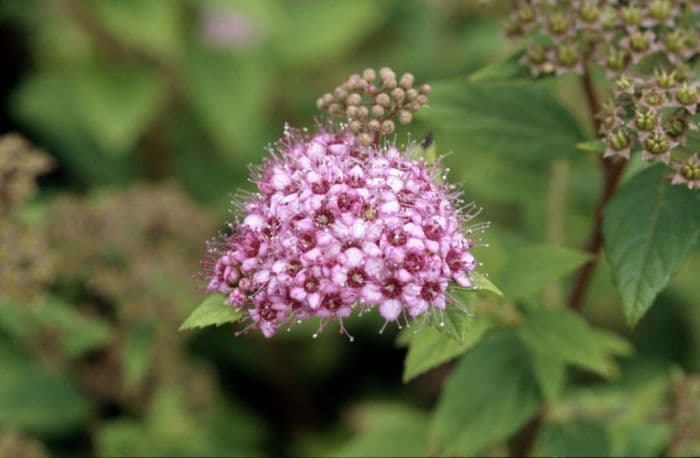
(373, 101)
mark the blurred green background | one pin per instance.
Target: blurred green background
(150, 112)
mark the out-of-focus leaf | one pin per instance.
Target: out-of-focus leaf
(532, 268)
(137, 352)
(649, 227)
(213, 311)
(116, 104)
(522, 122)
(35, 400)
(488, 396)
(482, 284)
(565, 335)
(429, 348)
(550, 372)
(170, 429)
(228, 93)
(505, 70)
(48, 104)
(613, 344)
(385, 430)
(574, 438)
(78, 334)
(315, 31)
(151, 26)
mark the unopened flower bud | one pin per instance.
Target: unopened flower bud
(421, 99)
(354, 99)
(374, 125)
(558, 23)
(568, 55)
(660, 10)
(387, 73)
(377, 111)
(335, 108)
(657, 143)
(405, 117)
(398, 94)
(526, 14)
(340, 93)
(351, 111)
(383, 100)
(645, 119)
(355, 126)
(632, 15)
(426, 89)
(390, 83)
(407, 80)
(388, 127)
(619, 140)
(687, 95)
(363, 112)
(411, 94)
(365, 139)
(589, 13)
(369, 74)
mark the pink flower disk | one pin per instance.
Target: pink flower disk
(336, 226)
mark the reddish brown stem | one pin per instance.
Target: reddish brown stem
(612, 173)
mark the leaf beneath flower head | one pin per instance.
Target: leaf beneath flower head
(482, 283)
(212, 311)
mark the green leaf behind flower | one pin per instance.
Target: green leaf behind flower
(650, 227)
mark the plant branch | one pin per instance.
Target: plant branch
(522, 443)
(612, 173)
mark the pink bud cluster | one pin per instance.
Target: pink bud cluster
(335, 227)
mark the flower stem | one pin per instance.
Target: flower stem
(612, 173)
(522, 443)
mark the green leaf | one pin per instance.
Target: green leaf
(613, 344)
(522, 122)
(550, 372)
(212, 311)
(77, 333)
(116, 104)
(36, 400)
(482, 284)
(151, 26)
(228, 94)
(532, 268)
(564, 335)
(574, 438)
(488, 396)
(338, 27)
(137, 353)
(429, 348)
(385, 430)
(48, 103)
(505, 70)
(454, 320)
(649, 228)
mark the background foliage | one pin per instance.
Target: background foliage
(150, 112)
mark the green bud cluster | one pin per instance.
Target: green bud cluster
(372, 102)
(616, 35)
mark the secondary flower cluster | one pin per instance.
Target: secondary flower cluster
(336, 226)
(613, 34)
(657, 114)
(369, 103)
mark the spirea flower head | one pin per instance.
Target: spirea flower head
(338, 226)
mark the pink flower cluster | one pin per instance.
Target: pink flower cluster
(336, 226)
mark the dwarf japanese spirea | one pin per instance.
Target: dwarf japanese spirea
(341, 225)
(646, 48)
